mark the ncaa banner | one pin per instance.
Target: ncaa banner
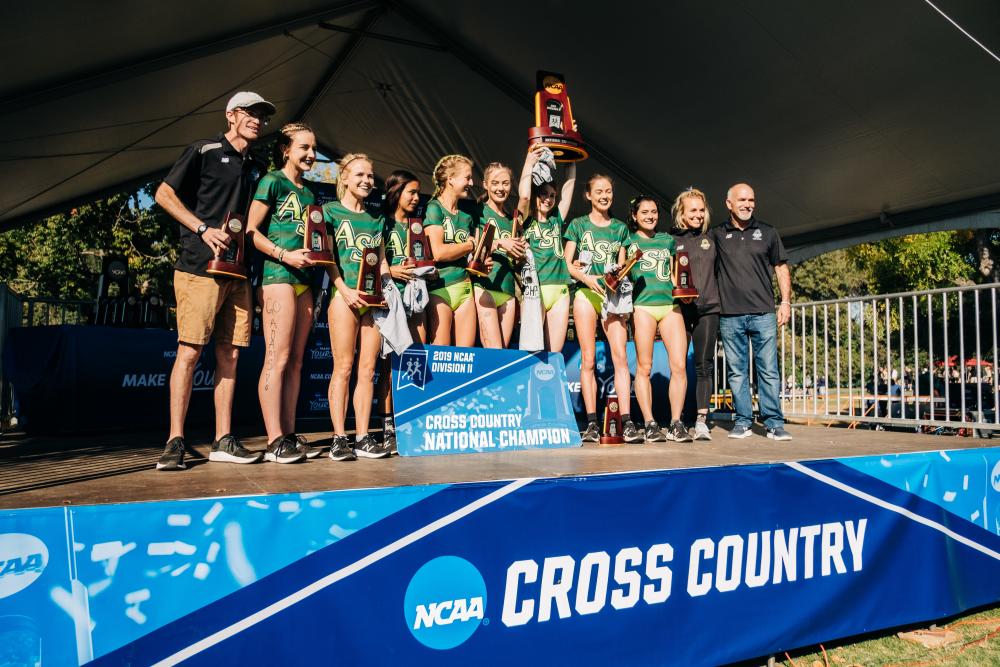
(454, 400)
(693, 567)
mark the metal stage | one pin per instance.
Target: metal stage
(116, 468)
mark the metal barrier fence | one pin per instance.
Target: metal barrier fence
(924, 359)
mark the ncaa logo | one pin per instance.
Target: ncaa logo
(544, 372)
(995, 477)
(22, 560)
(412, 369)
(445, 602)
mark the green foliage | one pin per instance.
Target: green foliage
(831, 276)
(916, 262)
(61, 256)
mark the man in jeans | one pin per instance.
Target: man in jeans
(211, 178)
(748, 251)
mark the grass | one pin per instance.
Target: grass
(979, 645)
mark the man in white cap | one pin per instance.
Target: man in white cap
(211, 178)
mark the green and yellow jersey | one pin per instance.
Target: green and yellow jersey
(651, 280)
(285, 228)
(546, 242)
(458, 228)
(351, 233)
(395, 245)
(602, 242)
(501, 278)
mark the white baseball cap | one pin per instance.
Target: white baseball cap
(246, 99)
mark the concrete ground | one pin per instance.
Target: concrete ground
(50, 471)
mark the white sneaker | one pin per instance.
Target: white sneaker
(701, 431)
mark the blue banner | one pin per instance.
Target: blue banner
(635, 568)
(456, 400)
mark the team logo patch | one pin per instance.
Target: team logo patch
(705, 245)
(729, 235)
(413, 369)
(445, 602)
(757, 236)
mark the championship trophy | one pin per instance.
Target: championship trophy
(612, 433)
(317, 242)
(614, 278)
(369, 280)
(554, 125)
(482, 250)
(418, 248)
(685, 288)
(230, 262)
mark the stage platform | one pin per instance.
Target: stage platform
(697, 553)
(118, 467)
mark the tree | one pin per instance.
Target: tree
(916, 262)
(60, 257)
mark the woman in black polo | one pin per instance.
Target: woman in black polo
(691, 220)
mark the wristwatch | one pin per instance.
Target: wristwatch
(202, 228)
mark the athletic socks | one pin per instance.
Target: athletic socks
(591, 417)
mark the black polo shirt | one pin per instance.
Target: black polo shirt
(745, 261)
(211, 178)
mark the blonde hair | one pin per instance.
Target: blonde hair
(284, 141)
(342, 168)
(444, 169)
(677, 209)
(490, 168)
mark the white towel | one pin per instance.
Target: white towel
(544, 169)
(391, 320)
(532, 337)
(415, 296)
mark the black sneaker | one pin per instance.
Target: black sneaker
(390, 441)
(228, 449)
(341, 450)
(284, 449)
(678, 433)
(654, 433)
(303, 447)
(173, 456)
(631, 433)
(592, 434)
(370, 448)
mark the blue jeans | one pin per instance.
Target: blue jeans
(762, 331)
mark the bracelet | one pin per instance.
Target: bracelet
(786, 303)
(281, 254)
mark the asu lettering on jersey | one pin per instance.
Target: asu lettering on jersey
(603, 242)
(285, 227)
(501, 278)
(352, 231)
(651, 277)
(457, 228)
(394, 237)
(546, 242)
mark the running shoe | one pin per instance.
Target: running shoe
(284, 449)
(778, 433)
(173, 455)
(390, 441)
(654, 433)
(370, 448)
(678, 433)
(701, 431)
(228, 449)
(740, 431)
(592, 434)
(631, 433)
(341, 450)
(304, 448)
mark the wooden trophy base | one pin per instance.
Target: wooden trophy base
(611, 441)
(373, 300)
(478, 269)
(685, 293)
(565, 147)
(320, 257)
(226, 269)
(418, 264)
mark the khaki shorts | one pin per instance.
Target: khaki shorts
(212, 305)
